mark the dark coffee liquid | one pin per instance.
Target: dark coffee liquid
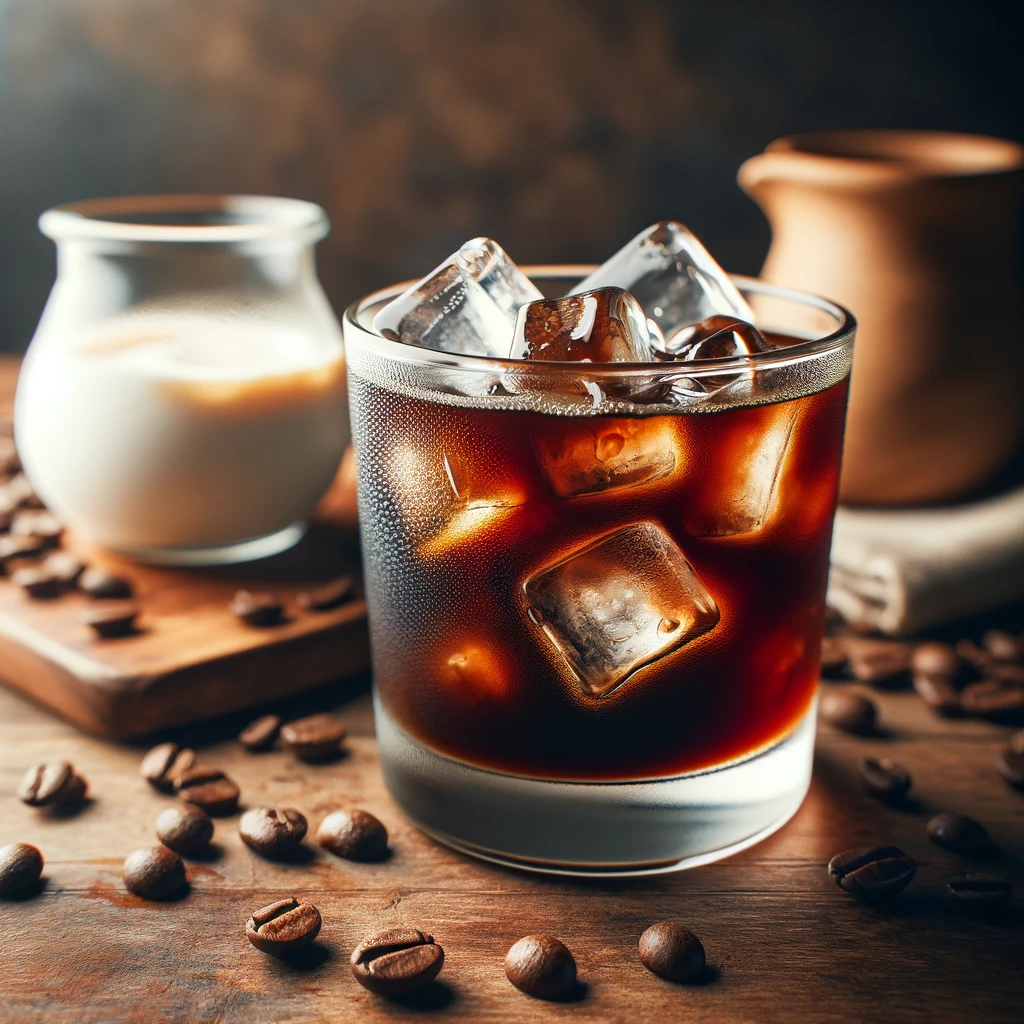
(466, 512)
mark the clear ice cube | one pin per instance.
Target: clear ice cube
(672, 276)
(584, 455)
(467, 305)
(621, 602)
(606, 325)
(715, 337)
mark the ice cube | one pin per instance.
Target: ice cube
(621, 602)
(715, 337)
(467, 305)
(606, 325)
(672, 276)
(581, 455)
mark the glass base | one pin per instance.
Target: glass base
(220, 554)
(597, 829)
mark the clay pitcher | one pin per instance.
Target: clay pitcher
(917, 233)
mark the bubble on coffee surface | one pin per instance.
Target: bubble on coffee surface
(619, 603)
(467, 305)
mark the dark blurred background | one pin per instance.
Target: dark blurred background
(560, 127)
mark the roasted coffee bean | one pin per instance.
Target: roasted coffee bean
(12, 548)
(872, 873)
(165, 764)
(65, 566)
(51, 782)
(328, 596)
(935, 658)
(850, 712)
(40, 584)
(671, 951)
(1010, 764)
(21, 866)
(397, 961)
(878, 661)
(833, 656)
(939, 694)
(184, 829)
(313, 738)
(272, 831)
(973, 654)
(104, 585)
(958, 833)
(884, 778)
(1003, 646)
(993, 698)
(257, 609)
(1007, 671)
(283, 927)
(261, 734)
(980, 893)
(42, 525)
(209, 789)
(112, 620)
(354, 835)
(154, 873)
(541, 966)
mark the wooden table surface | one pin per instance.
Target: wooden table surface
(785, 944)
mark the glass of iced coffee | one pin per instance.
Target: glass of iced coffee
(596, 508)
(183, 400)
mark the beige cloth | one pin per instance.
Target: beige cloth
(902, 571)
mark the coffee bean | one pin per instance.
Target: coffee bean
(1010, 764)
(257, 609)
(993, 698)
(20, 547)
(283, 927)
(833, 656)
(1003, 646)
(330, 595)
(397, 961)
(51, 782)
(671, 951)
(272, 831)
(164, 765)
(848, 711)
(104, 585)
(154, 873)
(939, 694)
(354, 835)
(184, 829)
(973, 654)
(21, 866)
(884, 778)
(112, 620)
(980, 893)
(872, 873)
(37, 582)
(65, 566)
(935, 658)
(541, 966)
(958, 833)
(42, 525)
(261, 734)
(878, 661)
(209, 789)
(313, 738)
(1007, 671)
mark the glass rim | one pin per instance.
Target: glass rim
(398, 351)
(256, 217)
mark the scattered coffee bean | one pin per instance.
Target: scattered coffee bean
(184, 829)
(980, 893)
(958, 833)
(330, 595)
(939, 694)
(1007, 671)
(1010, 764)
(870, 873)
(209, 789)
(850, 712)
(165, 764)
(65, 566)
(671, 951)
(283, 927)
(37, 582)
(257, 609)
(833, 656)
(154, 873)
(112, 620)
(314, 738)
(878, 661)
(51, 782)
(272, 831)
(884, 778)
(42, 525)
(993, 698)
(19, 547)
(21, 866)
(1003, 646)
(541, 966)
(104, 585)
(261, 734)
(354, 835)
(935, 658)
(397, 961)
(973, 654)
